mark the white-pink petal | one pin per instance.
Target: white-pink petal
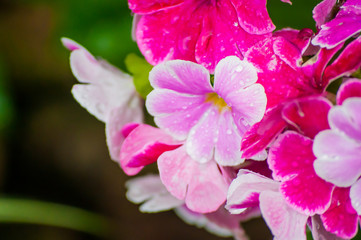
(355, 195)
(284, 222)
(150, 191)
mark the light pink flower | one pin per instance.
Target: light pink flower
(199, 31)
(210, 119)
(201, 186)
(346, 24)
(106, 92)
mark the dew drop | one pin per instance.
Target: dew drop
(239, 68)
(229, 132)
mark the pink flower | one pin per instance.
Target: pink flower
(341, 163)
(346, 24)
(210, 119)
(199, 31)
(106, 92)
(201, 186)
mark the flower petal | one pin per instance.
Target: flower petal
(150, 190)
(245, 189)
(203, 136)
(340, 163)
(347, 118)
(355, 195)
(321, 13)
(347, 63)
(284, 222)
(341, 219)
(351, 88)
(146, 7)
(181, 76)
(143, 146)
(201, 185)
(300, 184)
(260, 135)
(259, 23)
(308, 115)
(227, 148)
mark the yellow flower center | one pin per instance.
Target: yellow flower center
(217, 101)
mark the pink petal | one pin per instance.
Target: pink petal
(260, 135)
(178, 124)
(248, 106)
(338, 30)
(118, 118)
(181, 76)
(143, 146)
(128, 128)
(314, 68)
(299, 181)
(322, 12)
(287, 52)
(340, 163)
(175, 38)
(227, 152)
(108, 87)
(259, 23)
(355, 195)
(71, 44)
(300, 38)
(146, 7)
(157, 102)
(308, 115)
(319, 232)
(351, 88)
(245, 189)
(221, 35)
(347, 63)
(232, 74)
(203, 136)
(347, 118)
(276, 71)
(150, 191)
(201, 185)
(341, 219)
(284, 222)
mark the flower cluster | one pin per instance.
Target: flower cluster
(248, 121)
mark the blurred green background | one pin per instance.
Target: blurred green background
(50, 148)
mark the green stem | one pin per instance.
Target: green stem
(52, 214)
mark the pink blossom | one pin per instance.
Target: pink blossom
(199, 31)
(201, 186)
(106, 92)
(346, 24)
(210, 119)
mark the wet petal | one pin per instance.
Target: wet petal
(351, 88)
(143, 146)
(144, 7)
(150, 191)
(284, 222)
(341, 219)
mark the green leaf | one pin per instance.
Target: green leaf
(27, 211)
(140, 69)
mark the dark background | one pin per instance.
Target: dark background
(50, 148)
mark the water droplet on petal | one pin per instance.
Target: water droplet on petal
(239, 68)
(229, 132)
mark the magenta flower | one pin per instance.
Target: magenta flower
(210, 119)
(346, 24)
(341, 163)
(199, 31)
(106, 92)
